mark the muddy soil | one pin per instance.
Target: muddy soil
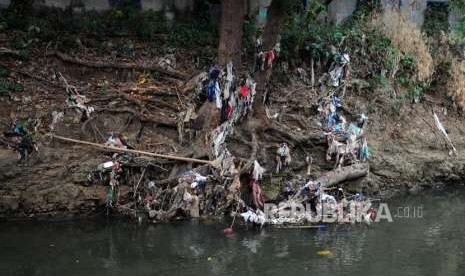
(407, 153)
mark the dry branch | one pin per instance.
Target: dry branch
(164, 156)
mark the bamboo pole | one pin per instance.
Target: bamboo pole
(164, 156)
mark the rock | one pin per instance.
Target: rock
(415, 190)
(8, 164)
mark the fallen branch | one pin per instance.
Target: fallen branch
(124, 65)
(169, 157)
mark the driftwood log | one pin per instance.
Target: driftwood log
(343, 174)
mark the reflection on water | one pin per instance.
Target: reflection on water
(432, 245)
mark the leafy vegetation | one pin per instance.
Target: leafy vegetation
(65, 27)
(374, 55)
(457, 5)
(6, 85)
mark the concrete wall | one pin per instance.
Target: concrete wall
(339, 10)
(261, 6)
(4, 3)
(413, 10)
(96, 5)
(55, 3)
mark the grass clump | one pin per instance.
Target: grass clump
(456, 83)
(405, 36)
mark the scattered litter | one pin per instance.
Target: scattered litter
(257, 217)
(283, 157)
(115, 141)
(257, 195)
(56, 117)
(453, 150)
(168, 62)
(228, 231)
(151, 185)
(340, 70)
(80, 102)
(257, 171)
(324, 253)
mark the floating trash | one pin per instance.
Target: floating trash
(324, 253)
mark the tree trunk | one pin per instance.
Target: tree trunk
(344, 174)
(232, 19)
(274, 23)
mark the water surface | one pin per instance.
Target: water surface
(431, 245)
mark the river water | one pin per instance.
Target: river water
(427, 237)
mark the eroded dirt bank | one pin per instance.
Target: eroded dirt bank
(407, 153)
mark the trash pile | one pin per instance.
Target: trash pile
(313, 204)
(238, 95)
(78, 101)
(346, 141)
(339, 70)
(264, 59)
(22, 137)
(159, 188)
(347, 145)
(157, 200)
(233, 96)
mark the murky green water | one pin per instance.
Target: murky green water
(432, 245)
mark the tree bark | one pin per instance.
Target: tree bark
(344, 174)
(270, 37)
(232, 20)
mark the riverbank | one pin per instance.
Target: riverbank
(407, 154)
(148, 91)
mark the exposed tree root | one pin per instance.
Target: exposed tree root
(130, 66)
(6, 51)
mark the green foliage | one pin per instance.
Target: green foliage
(379, 81)
(248, 34)
(288, 6)
(64, 27)
(18, 13)
(458, 33)
(457, 37)
(416, 91)
(194, 35)
(380, 50)
(369, 49)
(373, 57)
(436, 20)
(4, 71)
(406, 73)
(315, 9)
(7, 85)
(457, 5)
